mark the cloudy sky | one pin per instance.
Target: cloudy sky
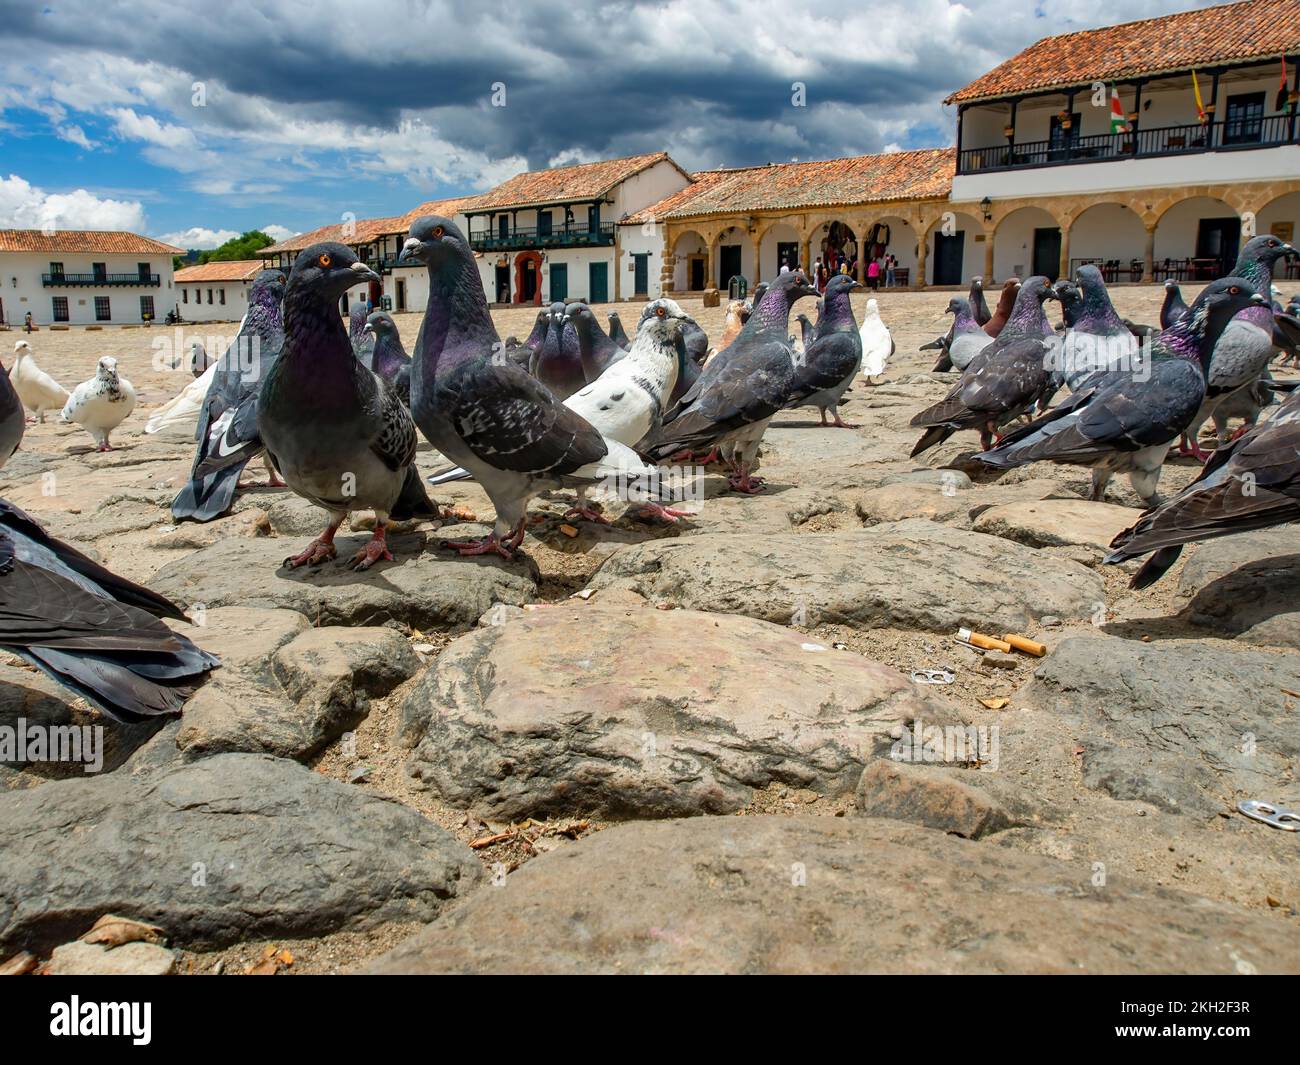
(193, 120)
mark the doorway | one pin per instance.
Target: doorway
(401, 295)
(559, 282)
(528, 265)
(1047, 252)
(502, 286)
(640, 275)
(787, 254)
(695, 273)
(1218, 239)
(728, 264)
(598, 282)
(948, 257)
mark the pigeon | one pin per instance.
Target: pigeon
(101, 404)
(1124, 420)
(336, 431)
(96, 633)
(360, 340)
(689, 368)
(12, 420)
(1246, 346)
(506, 428)
(198, 360)
(806, 330)
(877, 341)
(1006, 301)
(751, 305)
(180, 414)
(1173, 307)
(697, 341)
(617, 333)
(597, 351)
(558, 364)
(967, 338)
(226, 433)
(737, 315)
(979, 307)
(1251, 483)
(740, 390)
(388, 357)
(1002, 381)
(37, 389)
(832, 356)
(1096, 338)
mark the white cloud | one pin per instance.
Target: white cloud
(279, 233)
(75, 135)
(199, 237)
(148, 129)
(26, 206)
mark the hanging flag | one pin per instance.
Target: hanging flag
(1280, 103)
(1196, 91)
(1118, 123)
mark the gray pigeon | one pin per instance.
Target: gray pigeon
(505, 428)
(1251, 483)
(337, 432)
(597, 351)
(1246, 346)
(360, 340)
(740, 390)
(388, 358)
(559, 362)
(979, 307)
(13, 419)
(1173, 307)
(96, 633)
(617, 333)
(806, 330)
(1126, 419)
(1096, 338)
(1002, 381)
(966, 339)
(226, 436)
(832, 355)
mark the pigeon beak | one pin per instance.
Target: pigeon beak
(364, 272)
(410, 251)
(1256, 298)
(367, 328)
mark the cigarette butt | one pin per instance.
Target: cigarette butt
(1023, 643)
(569, 531)
(978, 639)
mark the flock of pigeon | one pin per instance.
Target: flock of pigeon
(1133, 392)
(335, 413)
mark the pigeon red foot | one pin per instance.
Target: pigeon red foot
(317, 551)
(376, 550)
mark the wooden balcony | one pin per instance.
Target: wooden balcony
(111, 280)
(1198, 137)
(533, 239)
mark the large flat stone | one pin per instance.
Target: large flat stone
(910, 574)
(1057, 522)
(582, 709)
(231, 848)
(1246, 586)
(425, 587)
(830, 895)
(1181, 724)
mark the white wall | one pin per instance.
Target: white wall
(647, 239)
(689, 243)
(972, 259)
(1107, 231)
(22, 290)
(643, 189)
(1013, 244)
(1177, 229)
(192, 298)
(1284, 210)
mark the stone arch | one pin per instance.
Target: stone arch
(972, 249)
(1176, 235)
(688, 245)
(831, 232)
(735, 235)
(1107, 231)
(781, 231)
(1281, 213)
(528, 275)
(903, 242)
(1013, 242)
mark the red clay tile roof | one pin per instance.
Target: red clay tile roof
(567, 184)
(365, 230)
(1256, 29)
(90, 241)
(916, 175)
(232, 270)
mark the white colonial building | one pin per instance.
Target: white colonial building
(216, 292)
(84, 277)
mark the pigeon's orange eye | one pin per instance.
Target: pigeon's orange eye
(660, 311)
(325, 259)
(437, 231)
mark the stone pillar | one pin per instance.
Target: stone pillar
(988, 260)
(1063, 269)
(618, 265)
(709, 280)
(1149, 254)
(805, 255)
(922, 253)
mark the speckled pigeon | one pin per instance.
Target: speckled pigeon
(832, 356)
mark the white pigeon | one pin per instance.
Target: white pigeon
(37, 389)
(181, 412)
(101, 404)
(877, 343)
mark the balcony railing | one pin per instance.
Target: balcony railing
(146, 280)
(1144, 144)
(527, 239)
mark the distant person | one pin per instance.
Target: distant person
(891, 266)
(873, 274)
(27, 321)
(370, 306)
(785, 267)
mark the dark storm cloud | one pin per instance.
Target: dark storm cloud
(589, 79)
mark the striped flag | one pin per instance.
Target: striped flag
(1118, 123)
(1196, 91)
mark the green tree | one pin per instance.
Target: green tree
(245, 246)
